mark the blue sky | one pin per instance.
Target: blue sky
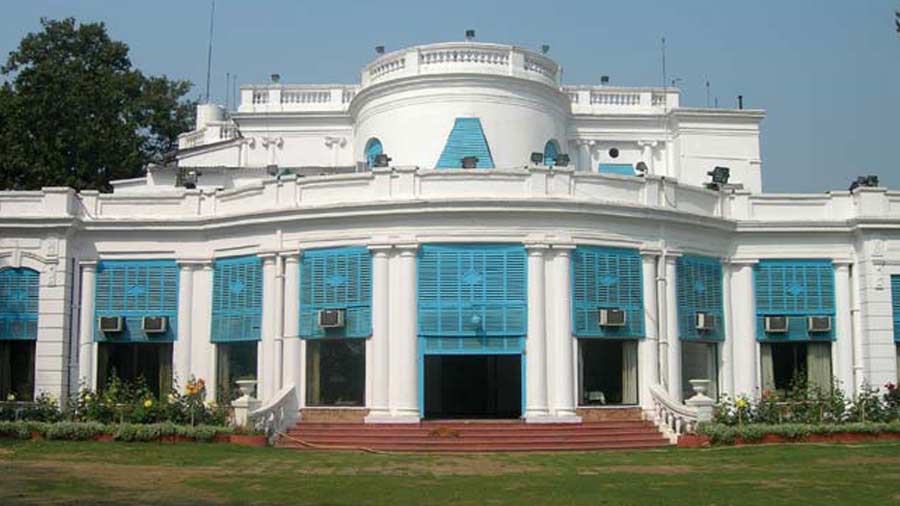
(826, 71)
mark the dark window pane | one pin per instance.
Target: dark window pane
(335, 372)
(234, 361)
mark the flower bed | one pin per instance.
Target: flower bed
(93, 431)
(720, 434)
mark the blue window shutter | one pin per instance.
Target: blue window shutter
(622, 169)
(699, 289)
(606, 278)
(895, 305)
(373, 149)
(466, 139)
(472, 291)
(336, 278)
(796, 289)
(134, 289)
(237, 299)
(551, 151)
(19, 297)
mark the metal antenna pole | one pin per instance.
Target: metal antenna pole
(212, 17)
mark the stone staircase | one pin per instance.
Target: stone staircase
(474, 436)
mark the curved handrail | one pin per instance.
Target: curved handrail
(673, 418)
(278, 414)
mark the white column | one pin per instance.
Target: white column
(266, 359)
(662, 353)
(278, 345)
(403, 377)
(561, 339)
(842, 350)
(86, 376)
(674, 347)
(648, 351)
(727, 353)
(293, 368)
(745, 355)
(856, 311)
(536, 407)
(379, 409)
(182, 347)
(584, 156)
(203, 351)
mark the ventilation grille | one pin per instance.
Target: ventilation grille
(336, 278)
(237, 299)
(19, 296)
(466, 139)
(134, 289)
(699, 287)
(795, 289)
(472, 291)
(606, 278)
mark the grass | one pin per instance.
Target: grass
(57, 473)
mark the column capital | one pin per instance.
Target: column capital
(190, 263)
(841, 263)
(268, 256)
(88, 264)
(291, 256)
(380, 248)
(740, 262)
(536, 248)
(650, 251)
(407, 249)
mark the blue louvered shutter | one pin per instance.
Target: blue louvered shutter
(336, 278)
(607, 278)
(622, 169)
(134, 289)
(237, 299)
(796, 289)
(472, 291)
(895, 305)
(19, 296)
(699, 289)
(551, 151)
(466, 139)
(373, 149)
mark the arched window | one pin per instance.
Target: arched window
(373, 149)
(551, 151)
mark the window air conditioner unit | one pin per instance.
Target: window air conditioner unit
(154, 324)
(612, 318)
(776, 324)
(818, 323)
(109, 324)
(704, 321)
(331, 318)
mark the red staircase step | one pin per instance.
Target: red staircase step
(474, 436)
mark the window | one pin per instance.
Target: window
(608, 372)
(551, 151)
(466, 139)
(699, 291)
(335, 372)
(796, 289)
(237, 299)
(608, 278)
(17, 369)
(147, 363)
(784, 364)
(336, 278)
(699, 361)
(234, 361)
(373, 149)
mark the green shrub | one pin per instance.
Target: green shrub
(72, 431)
(726, 434)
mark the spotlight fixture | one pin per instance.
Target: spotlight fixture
(470, 34)
(382, 160)
(470, 162)
(869, 181)
(562, 160)
(537, 158)
(276, 78)
(545, 48)
(641, 168)
(604, 80)
(189, 178)
(719, 177)
(379, 49)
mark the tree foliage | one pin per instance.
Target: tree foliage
(75, 112)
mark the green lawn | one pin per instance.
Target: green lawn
(48, 473)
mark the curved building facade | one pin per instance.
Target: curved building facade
(458, 235)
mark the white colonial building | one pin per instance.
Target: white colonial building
(458, 235)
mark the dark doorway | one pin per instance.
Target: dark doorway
(473, 386)
(149, 363)
(17, 369)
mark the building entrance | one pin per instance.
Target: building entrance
(473, 386)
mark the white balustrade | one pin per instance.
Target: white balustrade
(276, 416)
(260, 96)
(487, 57)
(305, 97)
(615, 98)
(387, 66)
